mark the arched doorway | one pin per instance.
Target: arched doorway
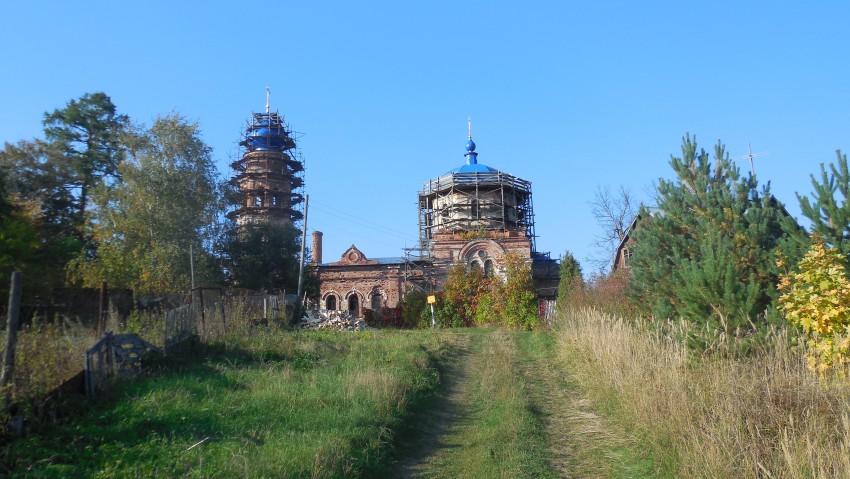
(354, 305)
(330, 303)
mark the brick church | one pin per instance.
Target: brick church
(472, 214)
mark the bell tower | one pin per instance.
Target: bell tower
(269, 172)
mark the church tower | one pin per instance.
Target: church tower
(476, 215)
(269, 172)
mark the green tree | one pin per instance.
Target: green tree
(511, 301)
(571, 278)
(517, 291)
(19, 241)
(88, 133)
(168, 199)
(415, 312)
(262, 256)
(38, 211)
(39, 180)
(461, 291)
(829, 210)
(709, 256)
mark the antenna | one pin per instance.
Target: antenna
(750, 155)
(469, 126)
(268, 93)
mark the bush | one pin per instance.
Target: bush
(817, 300)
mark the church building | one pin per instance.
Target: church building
(473, 214)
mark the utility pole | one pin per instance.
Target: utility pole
(303, 247)
(11, 336)
(192, 265)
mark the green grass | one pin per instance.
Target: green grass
(581, 444)
(501, 436)
(276, 404)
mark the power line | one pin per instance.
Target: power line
(363, 222)
(356, 235)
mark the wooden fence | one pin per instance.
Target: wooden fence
(211, 310)
(114, 355)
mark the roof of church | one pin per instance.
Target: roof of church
(373, 262)
(472, 165)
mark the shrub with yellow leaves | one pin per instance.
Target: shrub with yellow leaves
(816, 298)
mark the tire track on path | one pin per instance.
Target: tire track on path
(448, 410)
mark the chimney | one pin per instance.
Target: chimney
(317, 247)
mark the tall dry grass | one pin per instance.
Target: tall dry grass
(764, 415)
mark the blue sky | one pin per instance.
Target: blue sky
(570, 96)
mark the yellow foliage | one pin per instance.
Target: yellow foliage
(817, 299)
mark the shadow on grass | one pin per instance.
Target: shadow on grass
(133, 415)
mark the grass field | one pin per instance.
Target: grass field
(762, 415)
(598, 397)
(278, 404)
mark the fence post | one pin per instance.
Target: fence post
(110, 355)
(201, 304)
(89, 372)
(11, 336)
(221, 304)
(101, 319)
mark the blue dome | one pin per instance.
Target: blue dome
(470, 145)
(474, 168)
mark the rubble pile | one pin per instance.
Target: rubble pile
(325, 319)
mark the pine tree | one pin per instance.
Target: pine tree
(88, 132)
(829, 211)
(571, 279)
(709, 255)
(262, 256)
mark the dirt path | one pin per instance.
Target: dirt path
(476, 426)
(431, 431)
(579, 442)
(552, 400)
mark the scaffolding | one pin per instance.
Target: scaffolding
(270, 173)
(475, 201)
(418, 272)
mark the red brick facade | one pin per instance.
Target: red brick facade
(356, 283)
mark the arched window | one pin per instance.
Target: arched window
(354, 304)
(330, 303)
(488, 268)
(474, 210)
